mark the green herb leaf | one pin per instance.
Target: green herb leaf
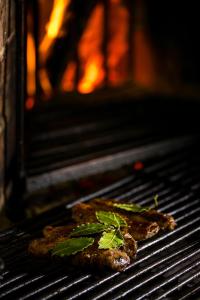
(87, 229)
(131, 207)
(155, 201)
(110, 240)
(72, 246)
(110, 219)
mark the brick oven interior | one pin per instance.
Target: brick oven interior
(99, 98)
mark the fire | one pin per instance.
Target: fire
(144, 59)
(53, 27)
(31, 68)
(68, 80)
(118, 43)
(45, 83)
(144, 71)
(94, 75)
(90, 53)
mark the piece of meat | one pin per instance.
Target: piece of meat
(52, 233)
(138, 226)
(165, 221)
(41, 247)
(83, 213)
(115, 259)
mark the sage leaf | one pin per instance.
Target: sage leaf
(72, 246)
(110, 218)
(88, 229)
(131, 207)
(110, 240)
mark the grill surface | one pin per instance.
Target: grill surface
(167, 266)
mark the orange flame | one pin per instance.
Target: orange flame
(53, 28)
(45, 83)
(144, 71)
(68, 80)
(118, 43)
(90, 54)
(31, 68)
(144, 59)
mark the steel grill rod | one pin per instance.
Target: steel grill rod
(179, 285)
(165, 269)
(172, 279)
(67, 286)
(190, 293)
(14, 289)
(12, 280)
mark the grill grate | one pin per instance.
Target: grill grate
(167, 266)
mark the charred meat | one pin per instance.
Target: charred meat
(115, 259)
(139, 227)
(135, 226)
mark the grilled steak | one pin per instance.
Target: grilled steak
(116, 259)
(165, 221)
(141, 225)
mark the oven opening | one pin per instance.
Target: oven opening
(102, 78)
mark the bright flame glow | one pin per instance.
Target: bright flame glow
(144, 67)
(94, 75)
(68, 80)
(144, 59)
(53, 28)
(118, 43)
(31, 66)
(90, 53)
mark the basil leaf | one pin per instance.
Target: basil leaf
(87, 229)
(72, 246)
(110, 219)
(110, 240)
(131, 207)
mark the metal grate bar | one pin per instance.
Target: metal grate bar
(175, 277)
(160, 285)
(50, 285)
(192, 291)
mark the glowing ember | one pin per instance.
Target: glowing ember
(30, 102)
(68, 80)
(138, 165)
(90, 52)
(53, 28)
(31, 66)
(118, 43)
